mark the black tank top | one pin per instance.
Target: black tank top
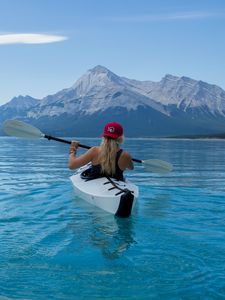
(96, 169)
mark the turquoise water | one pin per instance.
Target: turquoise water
(54, 246)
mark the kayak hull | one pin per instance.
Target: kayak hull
(115, 197)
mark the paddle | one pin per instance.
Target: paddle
(23, 130)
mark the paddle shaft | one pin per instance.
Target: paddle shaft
(49, 137)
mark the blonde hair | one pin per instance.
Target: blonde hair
(107, 157)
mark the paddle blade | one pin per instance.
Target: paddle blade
(20, 129)
(157, 166)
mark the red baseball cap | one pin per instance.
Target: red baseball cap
(113, 130)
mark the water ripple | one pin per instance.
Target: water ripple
(55, 246)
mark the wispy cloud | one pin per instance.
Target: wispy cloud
(30, 38)
(179, 16)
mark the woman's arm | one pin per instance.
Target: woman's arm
(76, 162)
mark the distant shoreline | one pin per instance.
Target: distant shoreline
(184, 137)
(194, 137)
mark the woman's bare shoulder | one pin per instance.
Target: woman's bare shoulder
(126, 154)
(126, 161)
(95, 149)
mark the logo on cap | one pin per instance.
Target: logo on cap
(111, 129)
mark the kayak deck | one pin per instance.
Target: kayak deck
(107, 194)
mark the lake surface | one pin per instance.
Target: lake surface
(54, 246)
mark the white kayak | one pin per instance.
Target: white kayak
(111, 195)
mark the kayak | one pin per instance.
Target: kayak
(113, 196)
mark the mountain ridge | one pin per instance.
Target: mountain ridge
(172, 106)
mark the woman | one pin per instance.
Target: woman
(108, 159)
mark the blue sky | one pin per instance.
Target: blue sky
(46, 45)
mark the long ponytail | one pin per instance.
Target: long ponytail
(109, 148)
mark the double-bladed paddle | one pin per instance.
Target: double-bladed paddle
(20, 129)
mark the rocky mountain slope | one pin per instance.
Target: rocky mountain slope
(172, 106)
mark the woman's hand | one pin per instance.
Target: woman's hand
(73, 147)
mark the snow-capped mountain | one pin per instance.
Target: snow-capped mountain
(96, 91)
(172, 106)
(184, 93)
